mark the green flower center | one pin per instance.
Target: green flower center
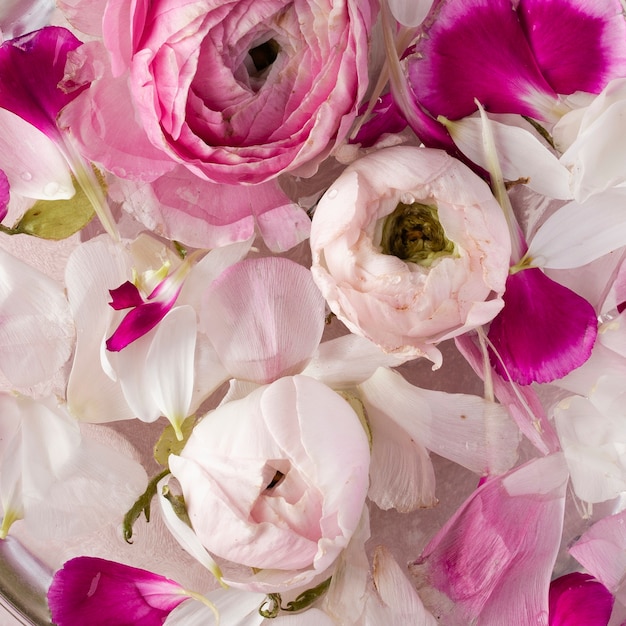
(414, 234)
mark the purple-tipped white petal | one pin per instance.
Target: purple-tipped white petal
(544, 330)
(477, 50)
(463, 428)
(5, 194)
(31, 68)
(91, 270)
(36, 330)
(136, 323)
(520, 153)
(577, 234)
(578, 599)
(579, 45)
(265, 318)
(492, 562)
(38, 169)
(89, 590)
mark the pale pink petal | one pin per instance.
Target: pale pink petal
(265, 318)
(602, 550)
(84, 15)
(492, 561)
(410, 12)
(36, 330)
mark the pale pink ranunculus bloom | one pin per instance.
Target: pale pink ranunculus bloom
(453, 284)
(241, 91)
(276, 481)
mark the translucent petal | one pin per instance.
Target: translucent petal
(410, 12)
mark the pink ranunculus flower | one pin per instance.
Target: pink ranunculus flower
(276, 481)
(410, 248)
(241, 90)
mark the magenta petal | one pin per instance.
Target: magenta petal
(578, 599)
(4, 195)
(31, 67)
(385, 118)
(137, 323)
(579, 45)
(125, 296)
(544, 331)
(477, 50)
(98, 592)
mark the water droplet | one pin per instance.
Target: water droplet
(51, 189)
(407, 198)
(332, 194)
(26, 176)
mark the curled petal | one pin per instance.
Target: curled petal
(136, 324)
(4, 194)
(544, 330)
(89, 590)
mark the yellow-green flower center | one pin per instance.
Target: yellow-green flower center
(414, 233)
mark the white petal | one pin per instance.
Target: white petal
(37, 169)
(577, 234)
(184, 534)
(36, 331)
(521, 155)
(170, 363)
(348, 360)
(466, 429)
(402, 603)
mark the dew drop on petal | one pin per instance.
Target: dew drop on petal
(332, 194)
(26, 176)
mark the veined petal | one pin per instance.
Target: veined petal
(89, 590)
(578, 599)
(38, 169)
(265, 318)
(520, 153)
(170, 364)
(492, 561)
(577, 234)
(477, 50)
(544, 330)
(466, 429)
(32, 66)
(578, 45)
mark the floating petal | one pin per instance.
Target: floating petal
(89, 590)
(544, 330)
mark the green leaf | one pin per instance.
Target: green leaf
(168, 442)
(57, 219)
(142, 505)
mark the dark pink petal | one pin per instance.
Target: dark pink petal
(137, 323)
(4, 195)
(544, 330)
(31, 68)
(578, 599)
(476, 49)
(98, 592)
(385, 118)
(579, 45)
(125, 296)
